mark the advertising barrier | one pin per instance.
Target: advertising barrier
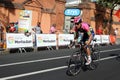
(98, 39)
(64, 39)
(43, 40)
(14, 40)
(105, 39)
(20, 40)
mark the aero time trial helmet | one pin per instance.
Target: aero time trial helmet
(77, 19)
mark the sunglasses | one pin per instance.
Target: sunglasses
(76, 23)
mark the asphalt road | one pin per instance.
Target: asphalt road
(51, 65)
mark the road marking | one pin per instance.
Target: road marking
(17, 63)
(46, 70)
(107, 58)
(33, 73)
(110, 50)
(40, 60)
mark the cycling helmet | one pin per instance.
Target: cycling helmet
(77, 19)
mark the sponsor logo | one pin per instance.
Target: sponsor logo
(11, 40)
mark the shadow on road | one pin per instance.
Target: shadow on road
(84, 69)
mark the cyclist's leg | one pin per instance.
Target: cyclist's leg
(85, 40)
(88, 52)
(89, 60)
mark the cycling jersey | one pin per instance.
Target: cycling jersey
(86, 32)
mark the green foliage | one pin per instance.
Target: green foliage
(111, 4)
(108, 3)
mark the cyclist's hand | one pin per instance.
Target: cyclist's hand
(86, 46)
(86, 43)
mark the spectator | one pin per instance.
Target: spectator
(37, 29)
(34, 36)
(116, 32)
(16, 27)
(1, 30)
(53, 29)
(99, 31)
(12, 28)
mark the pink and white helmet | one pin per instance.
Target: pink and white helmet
(77, 19)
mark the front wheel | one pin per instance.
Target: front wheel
(74, 64)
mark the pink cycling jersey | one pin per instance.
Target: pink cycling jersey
(85, 26)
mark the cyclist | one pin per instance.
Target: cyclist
(83, 29)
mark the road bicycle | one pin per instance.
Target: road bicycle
(78, 59)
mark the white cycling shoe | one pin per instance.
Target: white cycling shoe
(88, 61)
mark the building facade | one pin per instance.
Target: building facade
(50, 12)
(96, 16)
(47, 12)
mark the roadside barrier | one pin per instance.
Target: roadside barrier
(21, 41)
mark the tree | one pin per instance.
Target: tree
(110, 4)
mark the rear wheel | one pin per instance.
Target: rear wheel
(75, 64)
